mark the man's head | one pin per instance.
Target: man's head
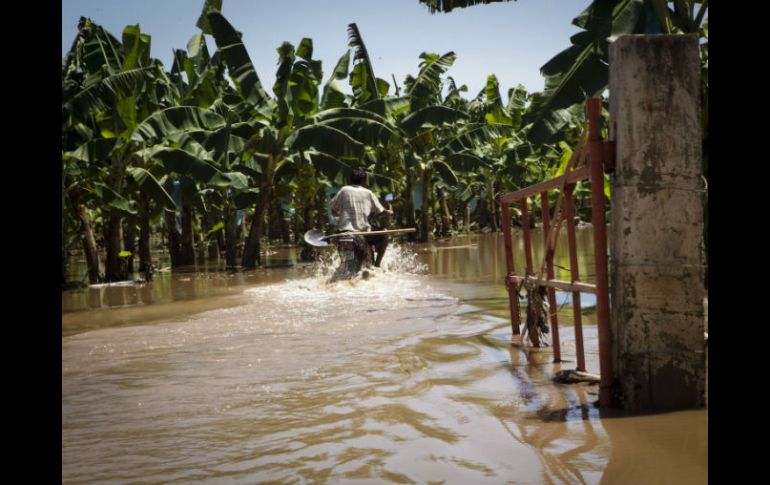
(358, 177)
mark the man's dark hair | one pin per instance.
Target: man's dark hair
(358, 177)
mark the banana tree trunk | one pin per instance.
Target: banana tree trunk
(87, 233)
(145, 257)
(231, 231)
(492, 210)
(115, 269)
(218, 245)
(482, 218)
(173, 239)
(411, 219)
(498, 210)
(285, 226)
(129, 241)
(301, 227)
(244, 228)
(285, 229)
(251, 256)
(187, 246)
(467, 219)
(426, 219)
(307, 253)
(89, 245)
(278, 227)
(274, 221)
(200, 248)
(209, 245)
(321, 216)
(241, 235)
(446, 217)
(453, 214)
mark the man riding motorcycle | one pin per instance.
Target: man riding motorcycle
(352, 206)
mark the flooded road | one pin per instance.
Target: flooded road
(408, 377)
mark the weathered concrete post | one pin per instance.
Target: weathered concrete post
(657, 222)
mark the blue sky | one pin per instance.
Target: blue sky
(511, 40)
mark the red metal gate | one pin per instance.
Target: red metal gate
(599, 155)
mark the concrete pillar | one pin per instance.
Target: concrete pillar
(656, 232)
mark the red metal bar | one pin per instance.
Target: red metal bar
(569, 209)
(558, 284)
(592, 147)
(573, 176)
(528, 256)
(513, 301)
(594, 109)
(581, 163)
(527, 240)
(549, 268)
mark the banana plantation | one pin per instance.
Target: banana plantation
(204, 161)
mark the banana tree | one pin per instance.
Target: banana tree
(265, 151)
(199, 148)
(426, 126)
(205, 86)
(425, 145)
(78, 198)
(79, 86)
(118, 85)
(494, 152)
(293, 123)
(475, 151)
(296, 90)
(366, 86)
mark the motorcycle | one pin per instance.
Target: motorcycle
(355, 253)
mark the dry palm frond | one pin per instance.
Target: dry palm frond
(537, 314)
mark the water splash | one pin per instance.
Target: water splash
(402, 259)
(398, 258)
(398, 284)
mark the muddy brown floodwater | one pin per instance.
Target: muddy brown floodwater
(408, 377)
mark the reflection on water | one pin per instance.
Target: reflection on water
(408, 377)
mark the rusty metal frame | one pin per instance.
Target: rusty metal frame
(600, 155)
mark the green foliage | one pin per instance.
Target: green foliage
(112, 199)
(431, 117)
(203, 21)
(236, 57)
(134, 134)
(148, 184)
(426, 88)
(333, 96)
(362, 79)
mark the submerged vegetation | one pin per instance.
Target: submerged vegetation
(211, 162)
